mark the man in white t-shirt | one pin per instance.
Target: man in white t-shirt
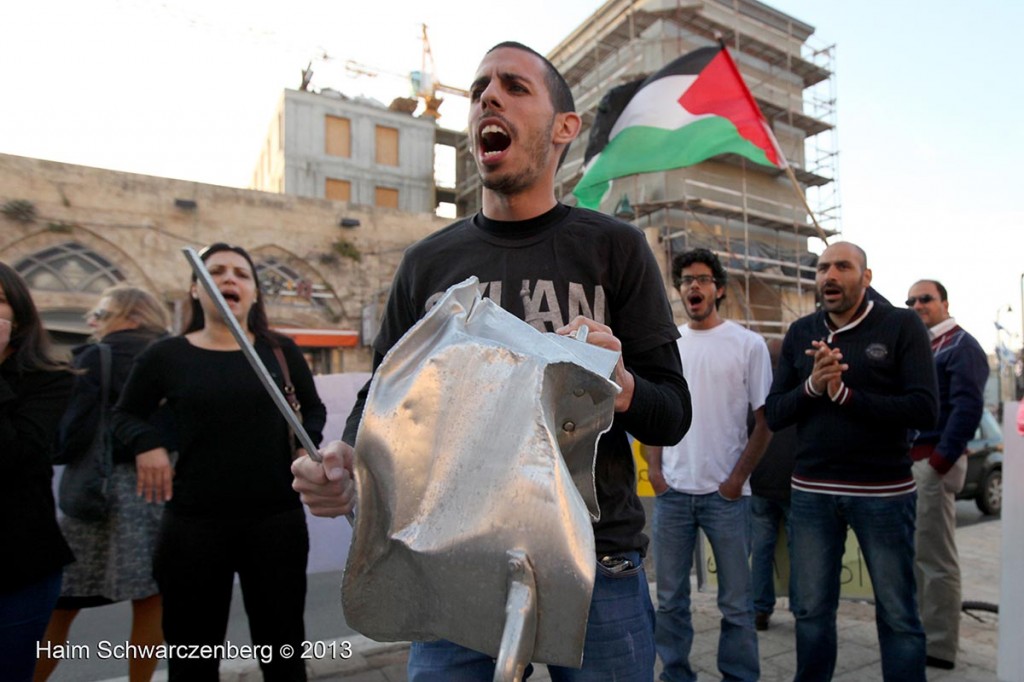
(702, 481)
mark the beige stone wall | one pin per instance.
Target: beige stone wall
(132, 221)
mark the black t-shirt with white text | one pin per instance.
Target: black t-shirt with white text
(546, 271)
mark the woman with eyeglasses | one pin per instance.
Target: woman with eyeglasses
(230, 506)
(114, 556)
(34, 391)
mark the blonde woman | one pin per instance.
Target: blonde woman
(114, 556)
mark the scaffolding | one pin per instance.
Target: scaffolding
(748, 214)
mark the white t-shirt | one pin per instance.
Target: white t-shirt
(727, 368)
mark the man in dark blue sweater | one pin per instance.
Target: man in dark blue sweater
(854, 377)
(940, 468)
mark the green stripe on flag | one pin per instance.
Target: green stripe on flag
(643, 149)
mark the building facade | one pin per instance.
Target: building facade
(326, 145)
(325, 266)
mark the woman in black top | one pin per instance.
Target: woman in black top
(230, 505)
(34, 390)
(113, 556)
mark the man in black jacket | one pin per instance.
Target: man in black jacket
(854, 377)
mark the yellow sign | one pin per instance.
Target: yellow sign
(643, 484)
(854, 582)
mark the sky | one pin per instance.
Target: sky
(928, 102)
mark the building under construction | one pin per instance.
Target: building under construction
(751, 215)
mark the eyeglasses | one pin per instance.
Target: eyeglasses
(687, 280)
(923, 298)
(98, 315)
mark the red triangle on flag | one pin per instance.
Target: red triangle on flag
(720, 90)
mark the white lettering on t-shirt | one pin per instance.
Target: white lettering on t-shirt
(491, 290)
(578, 304)
(540, 304)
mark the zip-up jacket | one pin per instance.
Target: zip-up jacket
(856, 441)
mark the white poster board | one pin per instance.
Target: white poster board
(329, 539)
(1011, 596)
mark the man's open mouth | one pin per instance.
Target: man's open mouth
(694, 299)
(831, 292)
(493, 140)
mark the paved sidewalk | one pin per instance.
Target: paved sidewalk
(858, 661)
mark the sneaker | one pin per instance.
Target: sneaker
(761, 619)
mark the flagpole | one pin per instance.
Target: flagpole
(778, 149)
(796, 185)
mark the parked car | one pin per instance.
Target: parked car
(984, 482)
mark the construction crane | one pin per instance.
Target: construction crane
(426, 84)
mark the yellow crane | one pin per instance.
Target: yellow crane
(425, 84)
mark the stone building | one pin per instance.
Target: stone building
(326, 266)
(330, 146)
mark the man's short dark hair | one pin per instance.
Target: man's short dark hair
(943, 295)
(558, 89)
(708, 258)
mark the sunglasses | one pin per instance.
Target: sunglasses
(98, 315)
(923, 298)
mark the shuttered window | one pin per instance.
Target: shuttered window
(337, 136)
(387, 197)
(387, 146)
(338, 190)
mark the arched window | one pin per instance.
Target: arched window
(69, 267)
(285, 285)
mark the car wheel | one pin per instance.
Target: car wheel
(990, 497)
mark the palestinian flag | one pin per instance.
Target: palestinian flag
(695, 108)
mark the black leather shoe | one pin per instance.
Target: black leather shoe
(942, 663)
(761, 620)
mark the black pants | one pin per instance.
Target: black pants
(195, 564)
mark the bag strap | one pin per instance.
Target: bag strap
(289, 387)
(289, 393)
(103, 430)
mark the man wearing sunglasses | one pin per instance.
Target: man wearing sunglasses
(940, 468)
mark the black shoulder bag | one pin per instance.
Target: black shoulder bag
(83, 487)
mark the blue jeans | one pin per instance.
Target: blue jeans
(677, 516)
(885, 530)
(619, 643)
(24, 614)
(765, 517)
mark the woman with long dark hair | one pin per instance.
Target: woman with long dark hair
(113, 556)
(230, 505)
(34, 390)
